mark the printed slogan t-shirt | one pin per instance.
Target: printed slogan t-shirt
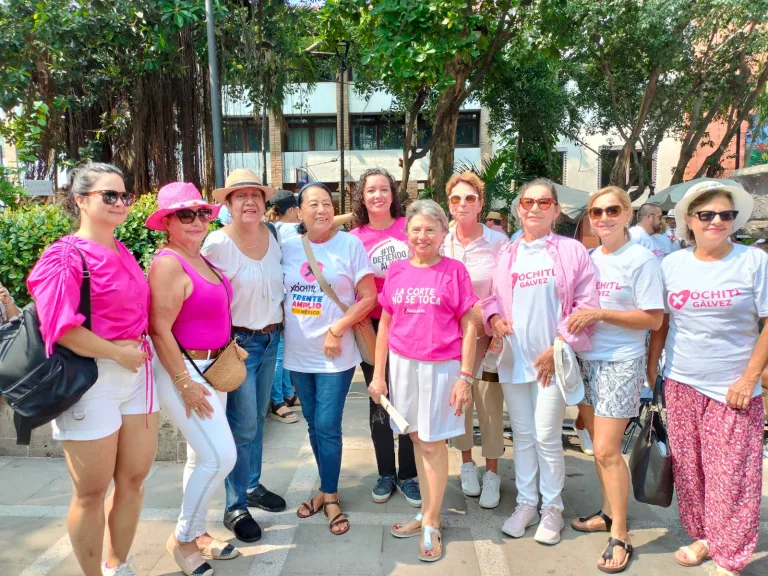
(628, 279)
(383, 247)
(714, 308)
(426, 305)
(309, 312)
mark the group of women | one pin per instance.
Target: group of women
(436, 296)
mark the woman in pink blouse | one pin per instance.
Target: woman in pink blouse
(111, 433)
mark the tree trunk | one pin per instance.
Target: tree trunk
(441, 157)
(619, 170)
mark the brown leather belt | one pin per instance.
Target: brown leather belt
(203, 354)
(266, 330)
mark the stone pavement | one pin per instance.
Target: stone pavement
(34, 495)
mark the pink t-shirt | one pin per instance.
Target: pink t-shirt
(383, 247)
(426, 305)
(119, 291)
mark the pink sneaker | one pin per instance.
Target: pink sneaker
(551, 525)
(524, 516)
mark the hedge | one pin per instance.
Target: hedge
(26, 231)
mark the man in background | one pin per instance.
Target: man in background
(649, 222)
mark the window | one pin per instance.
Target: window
(243, 135)
(312, 133)
(377, 132)
(468, 130)
(608, 159)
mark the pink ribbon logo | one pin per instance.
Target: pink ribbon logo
(678, 299)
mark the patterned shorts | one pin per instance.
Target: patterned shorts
(613, 388)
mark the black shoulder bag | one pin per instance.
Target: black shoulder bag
(39, 389)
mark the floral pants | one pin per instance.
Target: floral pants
(718, 467)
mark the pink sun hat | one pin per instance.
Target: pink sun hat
(177, 196)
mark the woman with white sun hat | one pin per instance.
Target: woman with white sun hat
(715, 295)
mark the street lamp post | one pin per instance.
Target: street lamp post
(213, 73)
(342, 56)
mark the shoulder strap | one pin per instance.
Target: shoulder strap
(85, 292)
(272, 229)
(319, 274)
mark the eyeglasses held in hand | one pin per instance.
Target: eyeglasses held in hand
(187, 216)
(544, 203)
(610, 211)
(469, 199)
(709, 215)
(109, 197)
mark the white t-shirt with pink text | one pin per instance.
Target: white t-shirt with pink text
(714, 309)
(628, 279)
(426, 305)
(536, 312)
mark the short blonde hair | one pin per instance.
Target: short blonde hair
(624, 200)
(467, 177)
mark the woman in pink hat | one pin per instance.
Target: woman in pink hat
(190, 327)
(111, 433)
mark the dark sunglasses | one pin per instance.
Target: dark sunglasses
(469, 199)
(110, 197)
(187, 216)
(709, 215)
(543, 203)
(610, 211)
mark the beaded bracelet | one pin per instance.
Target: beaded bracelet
(332, 334)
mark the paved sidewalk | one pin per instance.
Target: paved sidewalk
(34, 495)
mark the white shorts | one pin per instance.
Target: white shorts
(421, 392)
(118, 392)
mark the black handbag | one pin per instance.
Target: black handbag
(39, 389)
(650, 464)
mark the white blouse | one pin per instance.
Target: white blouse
(257, 285)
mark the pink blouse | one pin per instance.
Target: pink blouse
(119, 291)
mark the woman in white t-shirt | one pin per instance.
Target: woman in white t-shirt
(540, 280)
(631, 303)
(320, 350)
(247, 252)
(715, 295)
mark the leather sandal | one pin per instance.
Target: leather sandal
(192, 565)
(292, 401)
(309, 507)
(219, 550)
(579, 525)
(337, 520)
(427, 533)
(608, 555)
(686, 556)
(399, 530)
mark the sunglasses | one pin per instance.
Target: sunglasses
(709, 215)
(610, 211)
(469, 199)
(187, 216)
(543, 203)
(110, 197)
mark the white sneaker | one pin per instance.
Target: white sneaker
(125, 569)
(551, 525)
(524, 516)
(490, 496)
(586, 442)
(470, 485)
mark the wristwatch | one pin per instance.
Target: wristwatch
(467, 378)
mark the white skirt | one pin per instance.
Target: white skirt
(421, 392)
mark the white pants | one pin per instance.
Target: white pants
(211, 450)
(536, 415)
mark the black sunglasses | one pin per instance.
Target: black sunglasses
(110, 197)
(187, 216)
(610, 211)
(709, 215)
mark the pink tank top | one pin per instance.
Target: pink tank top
(203, 322)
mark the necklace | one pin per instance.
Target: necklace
(234, 229)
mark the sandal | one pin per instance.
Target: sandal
(608, 555)
(580, 524)
(689, 558)
(282, 413)
(399, 530)
(310, 507)
(219, 550)
(293, 401)
(337, 520)
(192, 565)
(426, 540)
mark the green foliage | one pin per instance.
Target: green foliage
(140, 240)
(498, 174)
(24, 234)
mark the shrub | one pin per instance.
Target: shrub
(139, 239)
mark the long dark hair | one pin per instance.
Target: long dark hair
(360, 212)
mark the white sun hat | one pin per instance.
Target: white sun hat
(742, 201)
(567, 373)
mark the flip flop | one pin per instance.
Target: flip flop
(398, 530)
(608, 555)
(426, 534)
(608, 522)
(692, 559)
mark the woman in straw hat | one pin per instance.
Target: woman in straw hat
(715, 295)
(247, 251)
